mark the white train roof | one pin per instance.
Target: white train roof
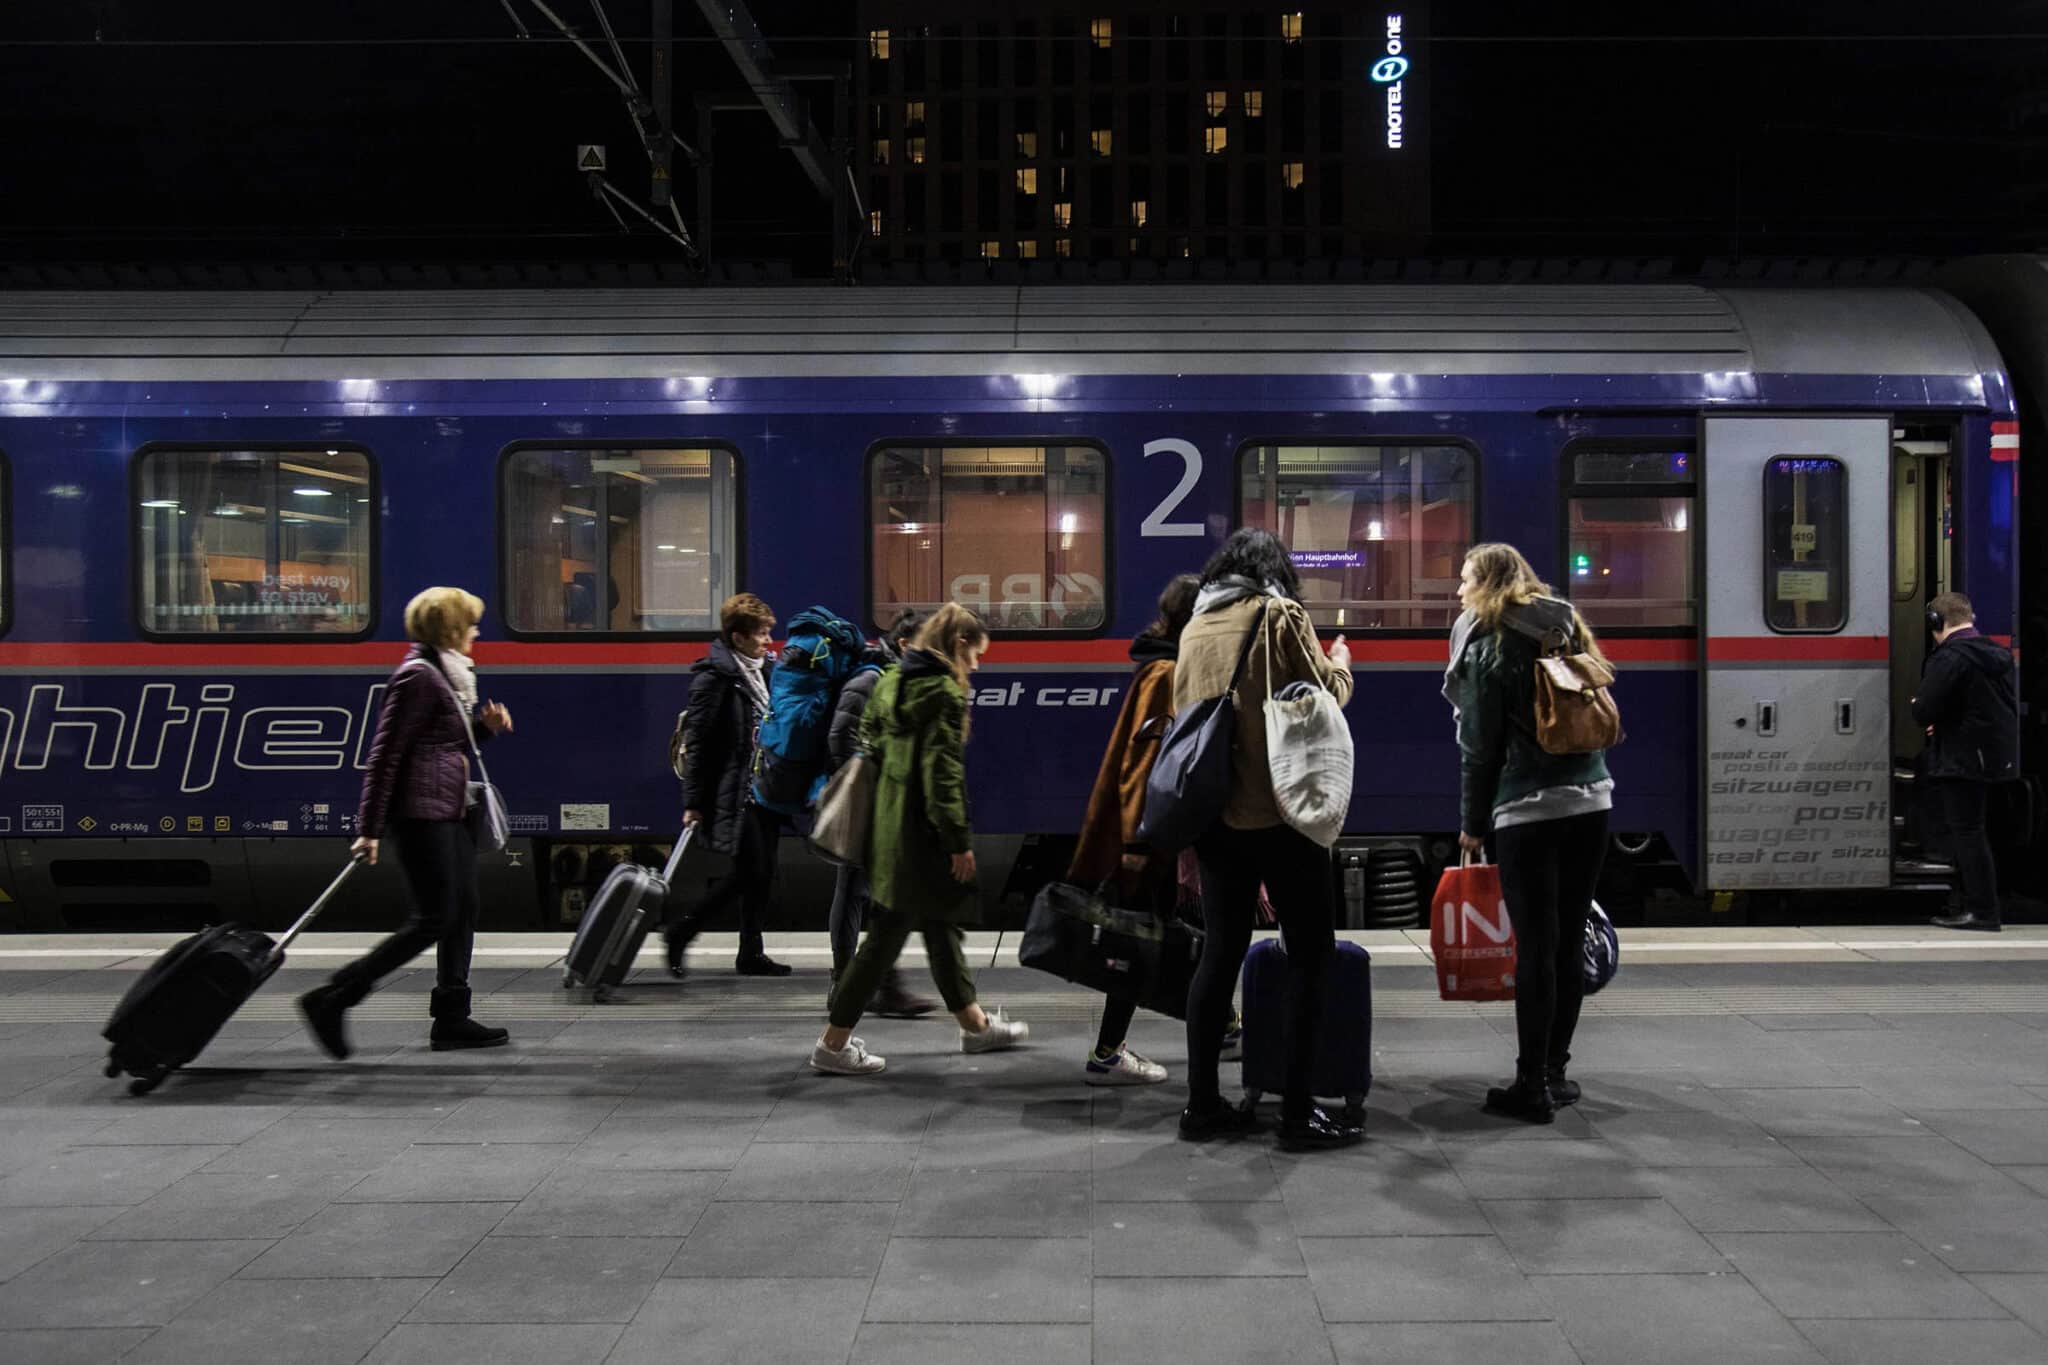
(927, 331)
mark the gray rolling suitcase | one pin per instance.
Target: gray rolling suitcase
(616, 924)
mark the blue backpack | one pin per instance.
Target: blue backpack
(790, 759)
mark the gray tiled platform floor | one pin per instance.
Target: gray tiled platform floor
(1857, 1170)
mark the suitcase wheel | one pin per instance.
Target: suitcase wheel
(599, 994)
(112, 1069)
(568, 981)
(148, 1081)
(1354, 1108)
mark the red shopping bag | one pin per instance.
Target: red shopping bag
(1470, 935)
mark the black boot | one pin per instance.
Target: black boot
(675, 941)
(1981, 923)
(1220, 1120)
(1318, 1128)
(1562, 1091)
(758, 963)
(1527, 1099)
(453, 1028)
(893, 1001)
(326, 1010)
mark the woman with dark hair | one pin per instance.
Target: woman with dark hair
(1545, 814)
(1251, 585)
(1109, 848)
(728, 700)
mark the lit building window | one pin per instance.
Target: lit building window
(1027, 144)
(991, 249)
(914, 112)
(1063, 215)
(1063, 246)
(878, 42)
(1028, 249)
(1254, 104)
(913, 150)
(874, 222)
(1217, 102)
(881, 151)
(1290, 30)
(1101, 31)
(1027, 179)
(1138, 213)
(1290, 175)
(1215, 140)
(1099, 141)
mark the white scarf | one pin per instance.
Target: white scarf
(1234, 588)
(750, 674)
(461, 671)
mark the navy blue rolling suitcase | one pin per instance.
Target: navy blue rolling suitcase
(1343, 1066)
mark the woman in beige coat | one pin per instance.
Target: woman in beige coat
(1251, 584)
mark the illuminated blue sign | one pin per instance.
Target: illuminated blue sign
(1391, 72)
(1387, 70)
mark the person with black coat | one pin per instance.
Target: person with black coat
(1967, 701)
(850, 901)
(728, 699)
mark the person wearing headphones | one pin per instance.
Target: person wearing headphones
(1967, 701)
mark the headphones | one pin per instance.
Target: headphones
(1936, 623)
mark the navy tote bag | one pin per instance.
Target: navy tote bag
(1190, 779)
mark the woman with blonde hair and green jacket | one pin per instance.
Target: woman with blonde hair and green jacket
(920, 850)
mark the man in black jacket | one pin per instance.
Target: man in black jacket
(1967, 702)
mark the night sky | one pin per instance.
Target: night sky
(335, 130)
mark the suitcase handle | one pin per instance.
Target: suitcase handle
(355, 861)
(675, 857)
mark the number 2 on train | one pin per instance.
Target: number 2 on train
(1156, 524)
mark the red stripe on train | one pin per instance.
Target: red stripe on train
(1798, 649)
(143, 655)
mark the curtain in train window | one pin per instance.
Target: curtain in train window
(1806, 545)
(1378, 533)
(1015, 532)
(618, 541)
(255, 542)
(1629, 547)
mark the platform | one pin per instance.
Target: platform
(1796, 1145)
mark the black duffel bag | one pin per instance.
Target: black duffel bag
(1078, 935)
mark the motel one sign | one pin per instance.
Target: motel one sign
(1389, 72)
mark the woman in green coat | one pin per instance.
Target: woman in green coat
(920, 851)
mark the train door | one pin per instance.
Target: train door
(1797, 723)
(1922, 569)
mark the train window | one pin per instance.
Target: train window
(1377, 532)
(1014, 531)
(255, 542)
(1806, 559)
(618, 540)
(1629, 535)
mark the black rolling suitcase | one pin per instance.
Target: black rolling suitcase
(616, 924)
(1343, 1063)
(171, 1013)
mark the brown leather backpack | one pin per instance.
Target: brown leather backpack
(1575, 712)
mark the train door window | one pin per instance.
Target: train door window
(1629, 524)
(254, 542)
(1014, 531)
(1378, 533)
(1806, 499)
(618, 540)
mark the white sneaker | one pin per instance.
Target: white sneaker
(852, 1060)
(1002, 1033)
(1125, 1068)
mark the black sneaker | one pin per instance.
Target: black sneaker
(760, 964)
(327, 1018)
(450, 1035)
(1318, 1129)
(1982, 924)
(1225, 1120)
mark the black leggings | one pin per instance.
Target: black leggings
(1298, 878)
(438, 858)
(750, 882)
(1547, 872)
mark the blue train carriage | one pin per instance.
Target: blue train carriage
(218, 504)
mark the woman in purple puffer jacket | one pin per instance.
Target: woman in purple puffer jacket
(416, 790)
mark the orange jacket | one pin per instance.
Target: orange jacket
(1118, 799)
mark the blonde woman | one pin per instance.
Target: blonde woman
(1546, 814)
(920, 853)
(415, 794)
